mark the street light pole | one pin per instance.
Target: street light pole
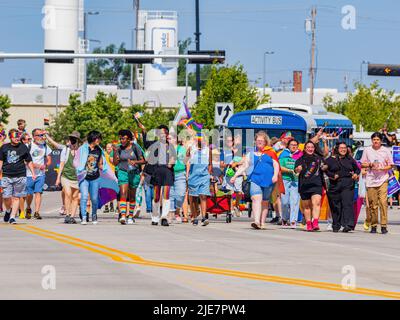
(85, 38)
(264, 69)
(197, 37)
(361, 70)
(54, 87)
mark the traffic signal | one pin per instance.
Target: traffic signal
(211, 60)
(385, 70)
(139, 60)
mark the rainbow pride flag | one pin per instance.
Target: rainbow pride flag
(108, 181)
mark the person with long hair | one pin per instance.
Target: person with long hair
(310, 168)
(342, 172)
(199, 170)
(67, 177)
(263, 175)
(128, 158)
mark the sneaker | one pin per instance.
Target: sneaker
(366, 226)
(62, 211)
(72, 221)
(315, 225)
(237, 212)
(37, 216)
(131, 221)
(67, 219)
(255, 226)
(95, 222)
(178, 218)
(195, 222)
(280, 222)
(384, 230)
(122, 220)
(137, 212)
(84, 223)
(28, 213)
(293, 225)
(13, 221)
(373, 230)
(309, 226)
(154, 223)
(22, 215)
(7, 216)
(347, 229)
(329, 227)
(106, 209)
(164, 222)
(336, 230)
(275, 220)
(204, 222)
(112, 207)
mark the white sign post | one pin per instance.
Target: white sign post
(223, 112)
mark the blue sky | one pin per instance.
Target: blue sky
(245, 29)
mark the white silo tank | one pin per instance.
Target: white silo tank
(60, 24)
(161, 32)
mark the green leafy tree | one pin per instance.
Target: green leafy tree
(105, 114)
(109, 71)
(5, 104)
(226, 84)
(371, 107)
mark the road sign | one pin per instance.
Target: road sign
(223, 112)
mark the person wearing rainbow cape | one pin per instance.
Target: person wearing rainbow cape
(95, 176)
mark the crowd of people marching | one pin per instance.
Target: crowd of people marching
(179, 175)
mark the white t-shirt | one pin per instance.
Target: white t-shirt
(39, 154)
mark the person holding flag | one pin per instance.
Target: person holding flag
(95, 176)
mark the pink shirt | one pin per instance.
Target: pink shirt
(381, 158)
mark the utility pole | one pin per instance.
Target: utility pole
(137, 8)
(312, 68)
(197, 37)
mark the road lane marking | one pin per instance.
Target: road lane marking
(120, 256)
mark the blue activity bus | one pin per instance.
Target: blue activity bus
(303, 121)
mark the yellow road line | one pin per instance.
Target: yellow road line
(120, 256)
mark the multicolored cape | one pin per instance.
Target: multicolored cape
(108, 181)
(271, 152)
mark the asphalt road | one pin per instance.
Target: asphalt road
(47, 259)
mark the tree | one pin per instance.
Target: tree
(371, 107)
(5, 104)
(226, 84)
(109, 71)
(105, 114)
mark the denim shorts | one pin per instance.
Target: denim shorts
(265, 191)
(14, 187)
(35, 186)
(178, 191)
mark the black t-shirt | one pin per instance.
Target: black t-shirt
(92, 164)
(14, 158)
(311, 176)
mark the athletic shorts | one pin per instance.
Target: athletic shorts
(14, 187)
(265, 191)
(131, 178)
(35, 186)
(307, 194)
